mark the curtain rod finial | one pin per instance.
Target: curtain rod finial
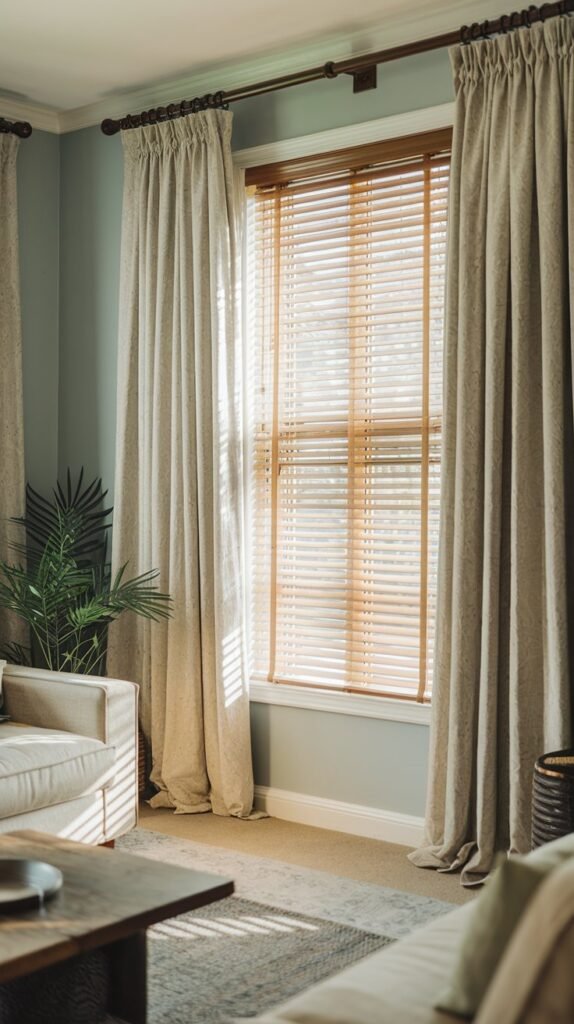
(110, 127)
(22, 129)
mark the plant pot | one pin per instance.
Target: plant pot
(553, 797)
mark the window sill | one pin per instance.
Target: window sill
(363, 705)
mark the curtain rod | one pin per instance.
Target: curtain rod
(363, 69)
(20, 128)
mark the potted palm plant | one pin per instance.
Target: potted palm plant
(62, 585)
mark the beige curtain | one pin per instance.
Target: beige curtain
(12, 487)
(178, 493)
(506, 571)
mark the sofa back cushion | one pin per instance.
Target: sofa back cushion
(500, 907)
(534, 982)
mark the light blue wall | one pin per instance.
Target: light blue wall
(357, 760)
(341, 757)
(39, 230)
(90, 225)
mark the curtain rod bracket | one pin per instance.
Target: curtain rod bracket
(364, 79)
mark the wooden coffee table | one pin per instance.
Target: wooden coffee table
(108, 900)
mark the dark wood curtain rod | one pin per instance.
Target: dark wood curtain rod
(363, 69)
(20, 128)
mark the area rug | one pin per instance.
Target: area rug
(286, 928)
(372, 908)
(237, 958)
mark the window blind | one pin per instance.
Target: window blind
(346, 282)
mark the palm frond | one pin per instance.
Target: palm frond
(139, 595)
(77, 509)
(16, 654)
(63, 586)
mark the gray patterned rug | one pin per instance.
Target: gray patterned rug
(285, 928)
(236, 959)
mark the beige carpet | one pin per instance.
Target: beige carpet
(365, 860)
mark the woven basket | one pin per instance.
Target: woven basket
(553, 797)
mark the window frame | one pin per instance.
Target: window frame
(372, 132)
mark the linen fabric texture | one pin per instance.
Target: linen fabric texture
(12, 489)
(503, 669)
(179, 477)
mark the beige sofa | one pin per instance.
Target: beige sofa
(534, 982)
(68, 754)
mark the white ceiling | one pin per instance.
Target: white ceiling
(67, 54)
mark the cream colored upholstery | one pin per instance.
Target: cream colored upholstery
(534, 982)
(68, 757)
(40, 767)
(397, 985)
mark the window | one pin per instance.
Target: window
(346, 281)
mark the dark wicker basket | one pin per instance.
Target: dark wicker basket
(553, 797)
(143, 771)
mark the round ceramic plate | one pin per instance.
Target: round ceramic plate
(25, 884)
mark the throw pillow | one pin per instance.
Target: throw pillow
(535, 980)
(497, 913)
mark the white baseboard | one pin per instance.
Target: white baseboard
(405, 829)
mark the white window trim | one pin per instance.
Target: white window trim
(394, 127)
(362, 705)
(429, 118)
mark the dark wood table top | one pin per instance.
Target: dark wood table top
(106, 896)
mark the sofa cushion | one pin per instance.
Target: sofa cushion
(397, 985)
(534, 983)
(501, 904)
(40, 767)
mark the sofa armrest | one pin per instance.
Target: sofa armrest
(103, 709)
(87, 705)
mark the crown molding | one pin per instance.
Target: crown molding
(415, 25)
(41, 118)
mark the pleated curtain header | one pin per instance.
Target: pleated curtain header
(203, 127)
(511, 54)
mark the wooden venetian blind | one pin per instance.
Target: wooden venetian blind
(347, 265)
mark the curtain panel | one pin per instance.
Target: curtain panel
(12, 489)
(178, 493)
(503, 689)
